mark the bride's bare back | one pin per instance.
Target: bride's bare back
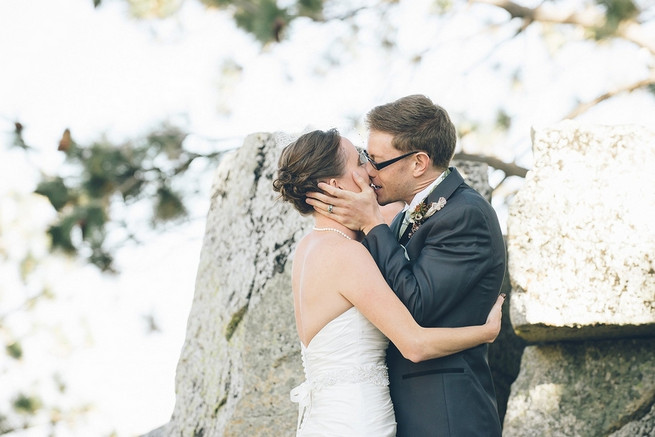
(316, 282)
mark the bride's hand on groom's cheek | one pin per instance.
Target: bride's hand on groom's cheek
(358, 211)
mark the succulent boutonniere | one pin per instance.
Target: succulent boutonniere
(422, 212)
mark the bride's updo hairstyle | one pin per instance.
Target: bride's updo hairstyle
(314, 157)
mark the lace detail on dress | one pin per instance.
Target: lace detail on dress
(302, 394)
(374, 374)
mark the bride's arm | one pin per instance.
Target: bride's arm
(362, 284)
(458, 339)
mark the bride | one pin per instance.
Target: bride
(345, 312)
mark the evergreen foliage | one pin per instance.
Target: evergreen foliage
(99, 178)
(101, 174)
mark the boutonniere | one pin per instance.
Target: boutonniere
(422, 212)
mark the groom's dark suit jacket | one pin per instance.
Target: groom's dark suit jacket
(452, 278)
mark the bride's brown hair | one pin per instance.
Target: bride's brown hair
(313, 157)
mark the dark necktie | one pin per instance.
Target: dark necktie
(404, 238)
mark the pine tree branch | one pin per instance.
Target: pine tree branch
(634, 32)
(346, 15)
(26, 304)
(509, 168)
(591, 18)
(585, 106)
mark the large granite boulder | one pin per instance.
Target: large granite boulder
(241, 356)
(581, 245)
(585, 389)
(581, 235)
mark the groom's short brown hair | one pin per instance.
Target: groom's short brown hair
(416, 124)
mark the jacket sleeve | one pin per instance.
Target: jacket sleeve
(456, 254)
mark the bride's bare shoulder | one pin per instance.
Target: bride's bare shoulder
(336, 252)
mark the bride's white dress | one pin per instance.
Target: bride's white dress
(346, 392)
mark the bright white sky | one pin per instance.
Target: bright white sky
(65, 64)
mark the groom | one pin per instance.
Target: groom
(444, 257)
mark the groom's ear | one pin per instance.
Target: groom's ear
(421, 163)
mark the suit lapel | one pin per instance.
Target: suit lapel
(396, 222)
(445, 189)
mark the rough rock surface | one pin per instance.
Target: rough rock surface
(581, 245)
(585, 389)
(241, 355)
(581, 238)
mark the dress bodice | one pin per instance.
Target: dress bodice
(348, 349)
(344, 365)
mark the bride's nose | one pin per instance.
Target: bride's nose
(371, 170)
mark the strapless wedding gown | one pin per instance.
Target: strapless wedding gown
(346, 392)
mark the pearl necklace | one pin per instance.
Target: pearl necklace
(333, 230)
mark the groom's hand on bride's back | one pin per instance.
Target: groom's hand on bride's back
(358, 211)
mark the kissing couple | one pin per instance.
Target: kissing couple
(394, 314)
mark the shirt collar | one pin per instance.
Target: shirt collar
(421, 195)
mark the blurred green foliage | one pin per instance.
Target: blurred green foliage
(266, 20)
(26, 404)
(616, 12)
(97, 176)
(93, 193)
(14, 350)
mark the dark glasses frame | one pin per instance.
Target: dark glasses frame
(364, 158)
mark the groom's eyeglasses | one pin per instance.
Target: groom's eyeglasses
(364, 158)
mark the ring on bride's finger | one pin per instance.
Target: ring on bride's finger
(330, 208)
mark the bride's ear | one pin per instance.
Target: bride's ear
(335, 183)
